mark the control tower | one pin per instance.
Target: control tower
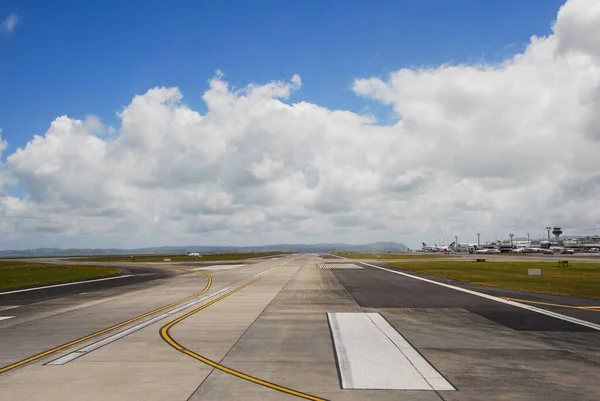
(557, 231)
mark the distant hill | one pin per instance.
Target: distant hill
(303, 248)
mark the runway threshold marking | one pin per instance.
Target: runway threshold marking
(580, 307)
(65, 284)
(96, 334)
(497, 299)
(165, 335)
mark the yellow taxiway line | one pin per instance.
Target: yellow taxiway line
(580, 307)
(164, 333)
(98, 333)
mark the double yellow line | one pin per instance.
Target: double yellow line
(164, 333)
(98, 333)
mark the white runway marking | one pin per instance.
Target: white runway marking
(371, 354)
(5, 317)
(497, 299)
(339, 266)
(217, 267)
(65, 284)
(98, 344)
(7, 307)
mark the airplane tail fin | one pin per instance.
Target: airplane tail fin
(452, 244)
(423, 244)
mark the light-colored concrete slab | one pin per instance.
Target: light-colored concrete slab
(366, 357)
(318, 379)
(102, 381)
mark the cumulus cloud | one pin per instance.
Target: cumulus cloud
(10, 23)
(499, 148)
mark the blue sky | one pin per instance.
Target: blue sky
(92, 57)
(256, 171)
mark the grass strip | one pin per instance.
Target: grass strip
(577, 279)
(15, 275)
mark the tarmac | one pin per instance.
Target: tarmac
(265, 331)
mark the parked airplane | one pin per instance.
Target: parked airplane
(194, 254)
(427, 248)
(437, 248)
(487, 250)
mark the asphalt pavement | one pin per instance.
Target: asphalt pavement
(285, 328)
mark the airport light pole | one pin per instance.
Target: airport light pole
(455, 241)
(548, 228)
(528, 237)
(478, 241)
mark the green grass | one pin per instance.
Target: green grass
(180, 258)
(578, 279)
(25, 274)
(355, 255)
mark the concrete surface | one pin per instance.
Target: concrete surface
(276, 330)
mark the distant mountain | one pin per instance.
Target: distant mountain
(303, 248)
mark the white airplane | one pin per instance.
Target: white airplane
(437, 248)
(427, 248)
(487, 250)
(532, 249)
(194, 254)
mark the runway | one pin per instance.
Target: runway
(297, 327)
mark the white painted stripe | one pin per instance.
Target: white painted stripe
(367, 359)
(98, 344)
(339, 266)
(263, 273)
(497, 299)
(217, 267)
(7, 307)
(432, 376)
(5, 317)
(65, 284)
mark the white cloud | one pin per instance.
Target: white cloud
(478, 148)
(10, 23)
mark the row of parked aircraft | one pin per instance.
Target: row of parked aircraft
(546, 248)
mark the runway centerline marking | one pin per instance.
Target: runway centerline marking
(66, 284)
(5, 317)
(98, 333)
(165, 335)
(494, 298)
